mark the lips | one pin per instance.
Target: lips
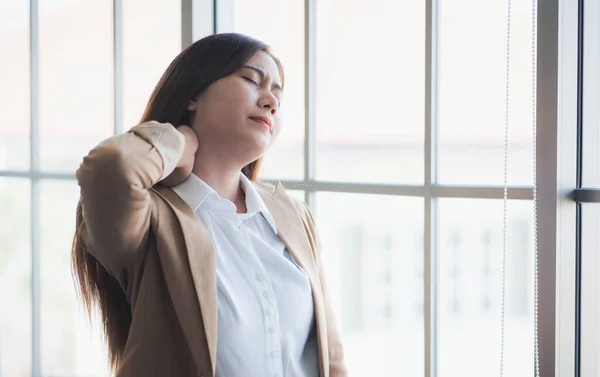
(263, 120)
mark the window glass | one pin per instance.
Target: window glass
(470, 287)
(373, 258)
(472, 80)
(370, 76)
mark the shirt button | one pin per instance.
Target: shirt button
(267, 295)
(260, 277)
(272, 330)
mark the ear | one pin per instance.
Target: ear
(192, 105)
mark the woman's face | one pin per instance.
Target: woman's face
(239, 115)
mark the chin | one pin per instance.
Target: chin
(261, 142)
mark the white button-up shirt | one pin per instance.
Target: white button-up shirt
(266, 324)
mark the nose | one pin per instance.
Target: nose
(269, 102)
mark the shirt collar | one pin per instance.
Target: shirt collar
(254, 202)
(194, 191)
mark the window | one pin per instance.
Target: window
(15, 277)
(472, 93)
(78, 71)
(369, 93)
(14, 103)
(588, 183)
(469, 293)
(394, 136)
(374, 259)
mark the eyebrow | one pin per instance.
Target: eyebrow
(262, 75)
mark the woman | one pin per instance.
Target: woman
(198, 269)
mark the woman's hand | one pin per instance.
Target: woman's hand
(186, 163)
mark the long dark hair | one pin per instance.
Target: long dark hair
(190, 73)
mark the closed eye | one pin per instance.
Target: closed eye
(250, 80)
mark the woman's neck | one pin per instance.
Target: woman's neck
(225, 180)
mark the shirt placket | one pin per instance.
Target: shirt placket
(270, 312)
(271, 320)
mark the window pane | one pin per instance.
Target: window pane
(591, 95)
(590, 212)
(374, 260)
(590, 290)
(370, 90)
(472, 93)
(80, 351)
(285, 32)
(151, 40)
(470, 287)
(15, 278)
(14, 76)
(76, 80)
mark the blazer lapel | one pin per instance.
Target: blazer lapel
(292, 233)
(201, 256)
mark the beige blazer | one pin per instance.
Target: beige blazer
(150, 240)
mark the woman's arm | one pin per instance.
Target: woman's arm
(114, 179)
(337, 365)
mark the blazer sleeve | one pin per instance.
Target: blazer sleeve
(114, 179)
(337, 365)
